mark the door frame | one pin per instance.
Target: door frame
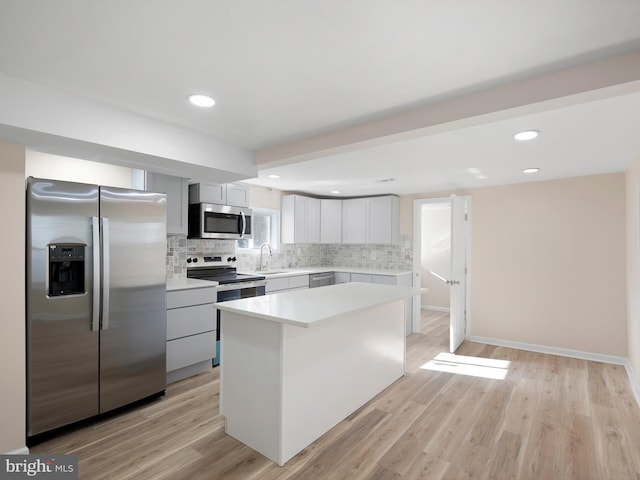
(417, 253)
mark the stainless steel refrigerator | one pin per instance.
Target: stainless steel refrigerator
(96, 307)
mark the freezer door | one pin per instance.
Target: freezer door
(133, 327)
(62, 349)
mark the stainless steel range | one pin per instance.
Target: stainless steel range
(231, 284)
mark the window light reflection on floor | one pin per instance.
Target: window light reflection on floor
(472, 366)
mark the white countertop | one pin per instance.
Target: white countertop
(183, 283)
(305, 307)
(289, 272)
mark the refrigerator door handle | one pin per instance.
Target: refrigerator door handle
(95, 312)
(105, 273)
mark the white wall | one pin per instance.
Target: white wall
(261, 197)
(12, 320)
(548, 264)
(56, 167)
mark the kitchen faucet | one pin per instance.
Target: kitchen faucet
(261, 251)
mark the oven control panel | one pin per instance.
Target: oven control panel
(211, 260)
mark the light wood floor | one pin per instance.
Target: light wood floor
(549, 418)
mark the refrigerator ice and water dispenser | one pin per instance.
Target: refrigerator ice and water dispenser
(66, 269)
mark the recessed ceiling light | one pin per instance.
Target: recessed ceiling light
(531, 170)
(201, 100)
(527, 135)
(273, 175)
(335, 191)
(481, 177)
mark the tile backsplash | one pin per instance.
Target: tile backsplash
(389, 257)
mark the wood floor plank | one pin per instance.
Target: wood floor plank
(543, 459)
(445, 442)
(381, 473)
(598, 387)
(171, 466)
(576, 378)
(418, 435)
(486, 430)
(612, 451)
(508, 456)
(578, 444)
(324, 463)
(471, 463)
(368, 452)
(535, 366)
(394, 396)
(521, 407)
(550, 418)
(426, 467)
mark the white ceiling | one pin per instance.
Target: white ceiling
(283, 70)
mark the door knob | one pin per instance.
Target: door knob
(453, 282)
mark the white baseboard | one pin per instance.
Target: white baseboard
(435, 309)
(632, 380)
(565, 352)
(20, 451)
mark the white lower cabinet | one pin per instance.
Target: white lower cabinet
(384, 279)
(403, 280)
(187, 351)
(191, 332)
(282, 284)
(361, 277)
(342, 277)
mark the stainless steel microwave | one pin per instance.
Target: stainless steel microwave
(207, 220)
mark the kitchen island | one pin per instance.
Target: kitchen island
(295, 364)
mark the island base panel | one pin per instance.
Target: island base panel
(283, 386)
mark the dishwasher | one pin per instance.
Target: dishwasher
(321, 279)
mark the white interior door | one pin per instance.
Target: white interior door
(457, 280)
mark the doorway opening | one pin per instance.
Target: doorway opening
(441, 261)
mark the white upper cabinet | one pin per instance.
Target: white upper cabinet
(354, 220)
(208, 193)
(371, 220)
(383, 219)
(300, 219)
(313, 220)
(177, 189)
(237, 195)
(219, 194)
(330, 221)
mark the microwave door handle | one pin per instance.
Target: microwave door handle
(95, 312)
(244, 224)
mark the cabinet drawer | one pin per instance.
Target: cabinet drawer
(384, 279)
(298, 282)
(192, 296)
(189, 350)
(182, 322)
(276, 284)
